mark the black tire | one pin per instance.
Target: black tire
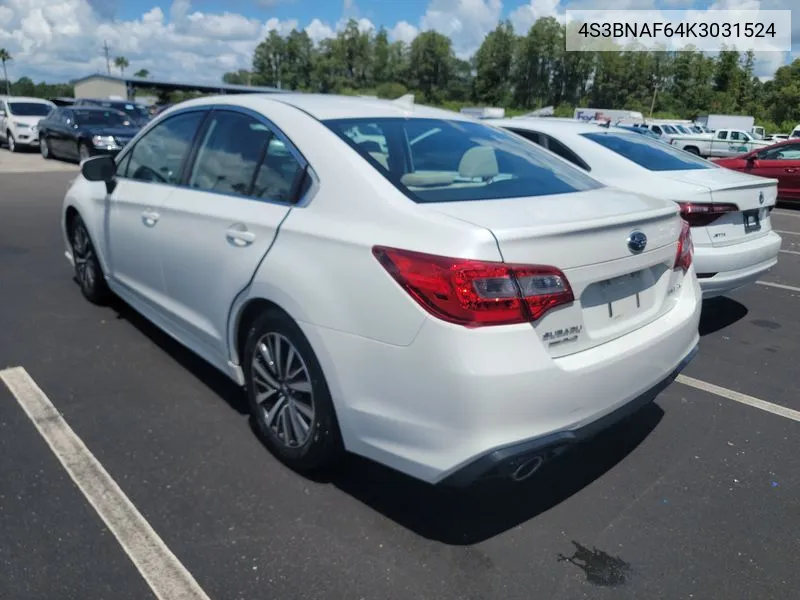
(44, 148)
(693, 150)
(322, 447)
(88, 271)
(11, 142)
(84, 151)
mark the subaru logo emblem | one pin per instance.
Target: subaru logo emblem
(637, 242)
(761, 197)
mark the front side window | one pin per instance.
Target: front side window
(158, 156)
(722, 135)
(647, 153)
(439, 160)
(29, 109)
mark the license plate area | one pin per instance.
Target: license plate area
(752, 220)
(623, 295)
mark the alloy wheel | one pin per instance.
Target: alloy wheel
(12, 143)
(83, 255)
(283, 391)
(44, 148)
(83, 152)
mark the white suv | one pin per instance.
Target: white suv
(19, 120)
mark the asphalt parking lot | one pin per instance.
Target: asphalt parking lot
(697, 496)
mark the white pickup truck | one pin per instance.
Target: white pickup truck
(724, 142)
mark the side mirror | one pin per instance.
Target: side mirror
(101, 168)
(752, 161)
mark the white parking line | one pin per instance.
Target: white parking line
(780, 286)
(786, 232)
(161, 569)
(786, 214)
(775, 409)
(790, 252)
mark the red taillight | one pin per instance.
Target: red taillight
(700, 215)
(683, 258)
(476, 293)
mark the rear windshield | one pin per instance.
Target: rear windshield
(29, 109)
(110, 118)
(648, 153)
(438, 160)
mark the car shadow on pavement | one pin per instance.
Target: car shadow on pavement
(208, 375)
(719, 313)
(468, 516)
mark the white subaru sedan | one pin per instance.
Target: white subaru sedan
(401, 282)
(729, 212)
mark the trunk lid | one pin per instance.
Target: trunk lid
(586, 236)
(754, 196)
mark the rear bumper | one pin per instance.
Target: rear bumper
(723, 269)
(454, 402)
(504, 461)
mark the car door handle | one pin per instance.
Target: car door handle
(240, 236)
(150, 218)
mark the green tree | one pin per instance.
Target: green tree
(493, 63)
(121, 63)
(431, 63)
(5, 56)
(240, 77)
(142, 74)
(299, 61)
(381, 52)
(269, 59)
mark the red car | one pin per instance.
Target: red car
(780, 161)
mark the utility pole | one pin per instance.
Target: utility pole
(108, 57)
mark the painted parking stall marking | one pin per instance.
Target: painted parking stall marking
(159, 567)
(780, 286)
(775, 409)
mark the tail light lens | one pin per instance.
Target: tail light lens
(683, 258)
(476, 293)
(700, 215)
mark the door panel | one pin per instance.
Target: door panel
(150, 176)
(217, 230)
(781, 163)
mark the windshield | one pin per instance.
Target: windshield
(137, 111)
(29, 109)
(437, 160)
(647, 153)
(109, 118)
(669, 129)
(683, 129)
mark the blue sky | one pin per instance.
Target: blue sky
(56, 40)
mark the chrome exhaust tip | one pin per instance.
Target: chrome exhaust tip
(527, 469)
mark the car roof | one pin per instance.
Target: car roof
(548, 126)
(329, 106)
(91, 108)
(25, 99)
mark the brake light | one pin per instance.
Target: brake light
(700, 215)
(476, 293)
(683, 258)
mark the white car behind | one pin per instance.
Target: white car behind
(19, 120)
(729, 212)
(402, 282)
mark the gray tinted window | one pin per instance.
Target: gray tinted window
(159, 154)
(647, 153)
(438, 160)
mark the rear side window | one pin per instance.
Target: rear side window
(552, 144)
(229, 155)
(647, 153)
(438, 160)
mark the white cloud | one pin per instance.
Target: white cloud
(526, 15)
(403, 32)
(466, 22)
(318, 31)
